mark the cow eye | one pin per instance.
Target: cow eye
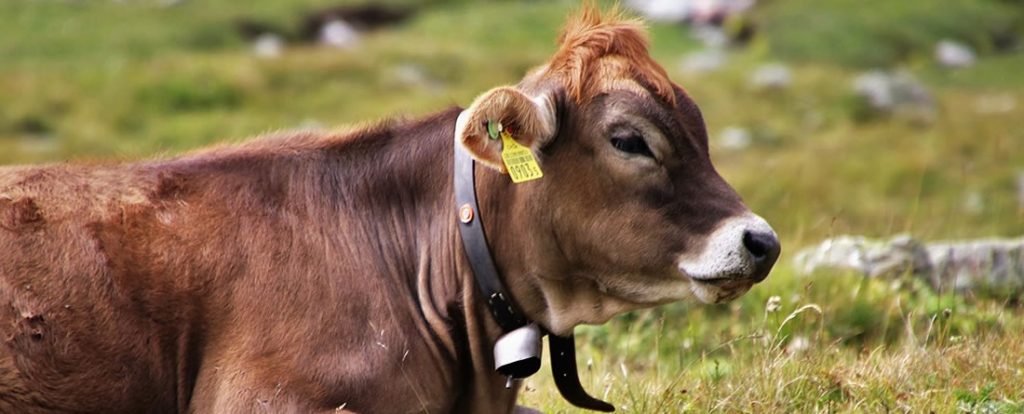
(632, 144)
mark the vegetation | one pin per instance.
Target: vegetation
(115, 80)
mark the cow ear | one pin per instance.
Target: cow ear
(530, 121)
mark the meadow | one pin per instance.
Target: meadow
(99, 81)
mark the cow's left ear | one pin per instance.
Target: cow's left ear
(530, 121)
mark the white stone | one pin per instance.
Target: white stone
(954, 54)
(337, 33)
(705, 61)
(996, 265)
(895, 93)
(771, 76)
(734, 138)
(268, 45)
(670, 11)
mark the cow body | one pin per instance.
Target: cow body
(305, 272)
(320, 272)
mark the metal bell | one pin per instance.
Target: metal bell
(517, 353)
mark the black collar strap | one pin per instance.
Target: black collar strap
(471, 227)
(563, 349)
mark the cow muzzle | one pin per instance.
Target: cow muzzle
(738, 254)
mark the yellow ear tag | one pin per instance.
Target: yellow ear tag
(518, 160)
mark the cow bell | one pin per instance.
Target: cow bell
(517, 353)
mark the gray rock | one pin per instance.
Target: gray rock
(411, 74)
(953, 54)
(337, 33)
(268, 45)
(874, 258)
(772, 76)
(895, 93)
(713, 37)
(734, 138)
(704, 61)
(700, 11)
(993, 265)
(668, 11)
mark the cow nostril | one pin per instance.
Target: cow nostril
(764, 247)
(760, 245)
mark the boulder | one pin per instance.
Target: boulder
(995, 265)
(990, 265)
(772, 76)
(953, 54)
(897, 93)
(873, 258)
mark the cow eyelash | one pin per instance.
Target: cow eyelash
(632, 144)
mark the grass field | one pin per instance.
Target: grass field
(88, 80)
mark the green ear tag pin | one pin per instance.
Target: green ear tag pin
(494, 129)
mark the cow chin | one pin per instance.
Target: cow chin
(711, 293)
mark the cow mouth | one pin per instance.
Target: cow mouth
(729, 282)
(719, 289)
(732, 282)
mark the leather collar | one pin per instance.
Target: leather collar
(505, 312)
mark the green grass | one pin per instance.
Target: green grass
(124, 80)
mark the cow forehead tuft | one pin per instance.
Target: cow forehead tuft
(591, 41)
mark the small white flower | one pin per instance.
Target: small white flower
(773, 305)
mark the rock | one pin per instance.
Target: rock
(734, 138)
(360, 18)
(994, 265)
(665, 11)
(873, 258)
(699, 11)
(268, 45)
(337, 33)
(410, 74)
(717, 11)
(705, 61)
(895, 93)
(953, 54)
(712, 37)
(772, 76)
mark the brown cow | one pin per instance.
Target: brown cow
(311, 272)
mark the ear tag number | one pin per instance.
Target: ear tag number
(518, 160)
(494, 128)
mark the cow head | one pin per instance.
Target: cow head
(630, 211)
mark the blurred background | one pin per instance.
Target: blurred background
(897, 122)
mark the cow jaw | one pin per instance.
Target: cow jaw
(594, 299)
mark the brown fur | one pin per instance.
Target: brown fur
(591, 37)
(309, 272)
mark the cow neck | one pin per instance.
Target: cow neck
(505, 312)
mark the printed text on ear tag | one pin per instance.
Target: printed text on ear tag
(518, 160)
